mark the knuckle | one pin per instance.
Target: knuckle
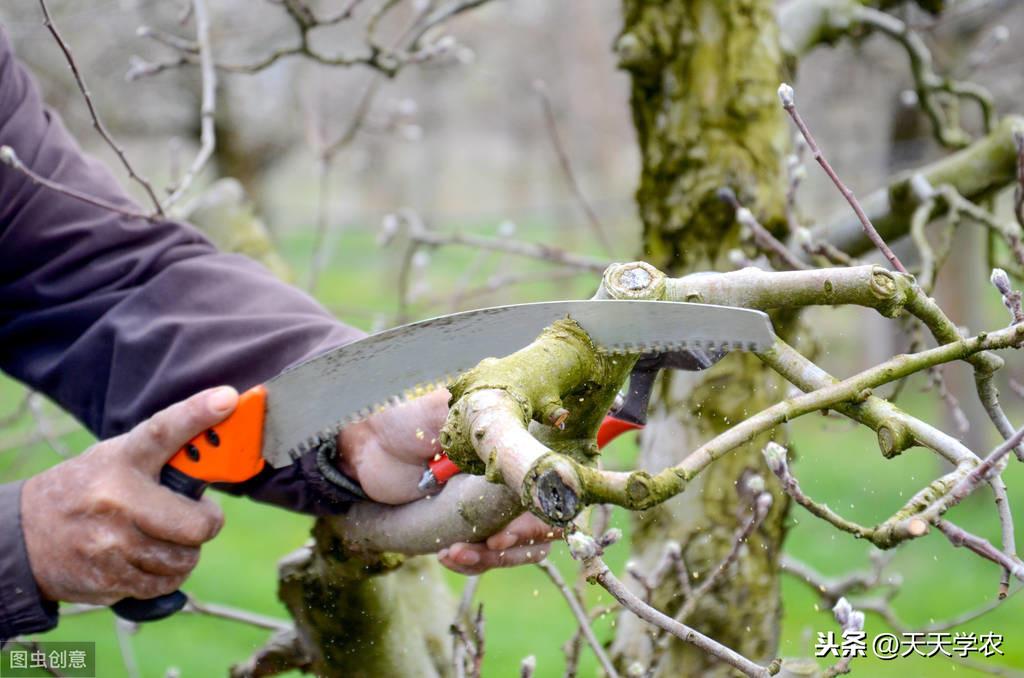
(107, 499)
(189, 558)
(157, 430)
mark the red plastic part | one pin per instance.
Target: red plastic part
(443, 468)
(612, 428)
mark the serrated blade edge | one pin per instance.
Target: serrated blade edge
(314, 400)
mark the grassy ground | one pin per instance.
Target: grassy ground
(525, 616)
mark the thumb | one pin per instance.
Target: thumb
(151, 443)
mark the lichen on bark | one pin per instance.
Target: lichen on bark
(531, 418)
(366, 615)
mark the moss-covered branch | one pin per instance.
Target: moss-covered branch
(498, 405)
(976, 172)
(530, 419)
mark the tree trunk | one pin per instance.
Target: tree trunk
(704, 79)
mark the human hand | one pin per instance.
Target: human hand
(387, 454)
(99, 527)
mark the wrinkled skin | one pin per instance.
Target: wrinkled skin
(387, 454)
(100, 527)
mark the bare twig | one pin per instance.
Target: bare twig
(566, 166)
(959, 537)
(97, 123)
(761, 235)
(207, 134)
(9, 158)
(581, 617)
(787, 96)
(1018, 138)
(598, 571)
(928, 84)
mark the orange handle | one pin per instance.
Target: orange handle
(232, 451)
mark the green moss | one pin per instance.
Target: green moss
(561, 370)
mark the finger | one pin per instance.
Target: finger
(150, 444)
(145, 586)
(470, 559)
(390, 482)
(526, 530)
(163, 558)
(169, 517)
(409, 432)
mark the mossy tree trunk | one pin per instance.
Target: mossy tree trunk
(704, 79)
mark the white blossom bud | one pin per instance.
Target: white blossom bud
(856, 621)
(444, 44)
(1001, 33)
(775, 456)
(999, 279)
(745, 217)
(737, 258)
(407, 107)
(908, 98)
(755, 483)
(581, 546)
(803, 236)
(635, 670)
(421, 259)
(388, 228)
(786, 95)
(610, 537)
(507, 228)
(8, 156)
(842, 611)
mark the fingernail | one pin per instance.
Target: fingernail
(222, 399)
(468, 558)
(442, 554)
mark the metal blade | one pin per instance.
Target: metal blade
(315, 399)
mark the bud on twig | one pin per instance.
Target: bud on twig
(775, 456)
(787, 96)
(582, 546)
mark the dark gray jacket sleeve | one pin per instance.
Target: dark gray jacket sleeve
(116, 318)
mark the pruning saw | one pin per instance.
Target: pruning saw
(279, 421)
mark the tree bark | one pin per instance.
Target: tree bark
(704, 79)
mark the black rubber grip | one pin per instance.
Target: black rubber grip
(161, 607)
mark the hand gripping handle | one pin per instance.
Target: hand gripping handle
(231, 452)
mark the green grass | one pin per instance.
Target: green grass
(524, 615)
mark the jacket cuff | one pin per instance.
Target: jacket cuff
(22, 608)
(298, 487)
